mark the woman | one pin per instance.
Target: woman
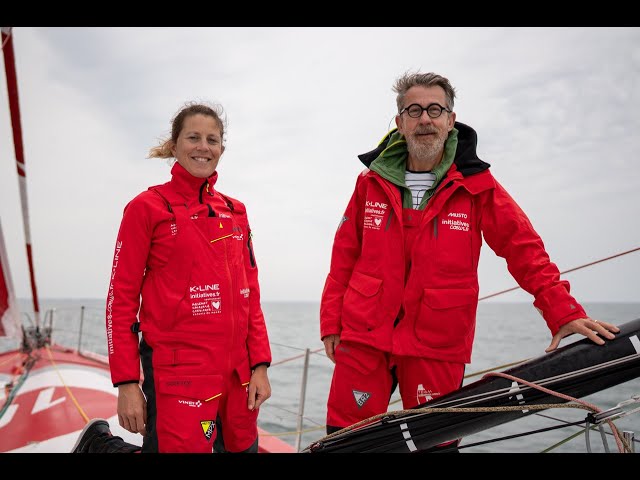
(184, 276)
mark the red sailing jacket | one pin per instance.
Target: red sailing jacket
(209, 298)
(365, 292)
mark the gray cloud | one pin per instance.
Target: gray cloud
(555, 110)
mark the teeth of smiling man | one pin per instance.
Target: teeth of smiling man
(200, 159)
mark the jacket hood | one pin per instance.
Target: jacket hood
(466, 158)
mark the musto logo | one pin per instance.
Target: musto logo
(456, 221)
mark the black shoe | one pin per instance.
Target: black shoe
(96, 428)
(96, 437)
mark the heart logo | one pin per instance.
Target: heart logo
(378, 221)
(216, 305)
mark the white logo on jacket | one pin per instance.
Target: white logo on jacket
(460, 225)
(374, 213)
(423, 395)
(360, 397)
(205, 299)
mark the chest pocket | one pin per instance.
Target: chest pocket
(453, 230)
(217, 228)
(223, 235)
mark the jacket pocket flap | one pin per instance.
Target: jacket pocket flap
(177, 356)
(444, 298)
(366, 285)
(200, 387)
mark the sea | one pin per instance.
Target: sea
(300, 374)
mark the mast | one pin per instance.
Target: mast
(14, 108)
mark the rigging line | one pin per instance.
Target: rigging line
(543, 389)
(480, 372)
(614, 429)
(495, 368)
(28, 363)
(406, 415)
(270, 405)
(506, 391)
(66, 387)
(12, 357)
(573, 374)
(569, 438)
(576, 434)
(297, 356)
(287, 346)
(499, 393)
(292, 432)
(564, 376)
(566, 271)
(532, 432)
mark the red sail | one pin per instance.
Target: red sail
(9, 314)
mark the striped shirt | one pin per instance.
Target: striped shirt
(418, 183)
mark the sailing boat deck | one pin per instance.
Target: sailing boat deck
(52, 391)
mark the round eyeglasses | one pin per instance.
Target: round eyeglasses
(434, 110)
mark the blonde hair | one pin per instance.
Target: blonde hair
(215, 111)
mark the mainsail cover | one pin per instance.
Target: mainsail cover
(9, 313)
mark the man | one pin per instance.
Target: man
(399, 303)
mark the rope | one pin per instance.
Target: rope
(452, 410)
(10, 359)
(480, 372)
(293, 432)
(623, 447)
(73, 398)
(590, 406)
(532, 432)
(566, 271)
(295, 357)
(12, 389)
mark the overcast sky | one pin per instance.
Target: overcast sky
(557, 112)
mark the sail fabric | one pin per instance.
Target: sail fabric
(9, 312)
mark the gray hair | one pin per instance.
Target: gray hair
(417, 79)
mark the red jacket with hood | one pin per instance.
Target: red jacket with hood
(429, 310)
(210, 299)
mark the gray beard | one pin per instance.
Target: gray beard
(424, 152)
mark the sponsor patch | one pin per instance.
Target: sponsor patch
(207, 428)
(360, 397)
